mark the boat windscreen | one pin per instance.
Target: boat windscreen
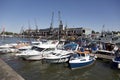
(70, 46)
(49, 49)
(37, 48)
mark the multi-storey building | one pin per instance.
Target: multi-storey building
(60, 31)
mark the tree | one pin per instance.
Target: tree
(93, 32)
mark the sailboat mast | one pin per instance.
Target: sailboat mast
(59, 19)
(3, 32)
(29, 29)
(36, 25)
(36, 28)
(22, 32)
(51, 25)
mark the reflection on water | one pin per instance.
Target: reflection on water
(37, 70)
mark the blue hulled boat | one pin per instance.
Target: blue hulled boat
(81, 59)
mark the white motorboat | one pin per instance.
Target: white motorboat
(37, 51)
(61, 44)
(61, 55)
(12, 47)
(33, 43)
(105, 52)
(6, 48)
(108, 49)
(57, 56)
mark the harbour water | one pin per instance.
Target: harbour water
(37, 70)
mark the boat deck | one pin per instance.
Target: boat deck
(85, 52)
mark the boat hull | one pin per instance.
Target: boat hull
(8, 50)
(63, 60)
(105, 52)
(74, 65)
(57, 59)
(35, 58)
(32, 57)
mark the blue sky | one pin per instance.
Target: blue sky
(75, 13)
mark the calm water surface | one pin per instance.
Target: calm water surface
(37, 70)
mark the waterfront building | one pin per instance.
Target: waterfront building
(61, 31)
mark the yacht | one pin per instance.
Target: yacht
(37, 51)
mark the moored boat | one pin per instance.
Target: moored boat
(108, 48)
(33, 43)
(61, 55)
(58, 56)
(81, 60)
(37, 51)
(7, 48)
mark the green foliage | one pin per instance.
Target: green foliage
(9, 33)
(93, 32)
